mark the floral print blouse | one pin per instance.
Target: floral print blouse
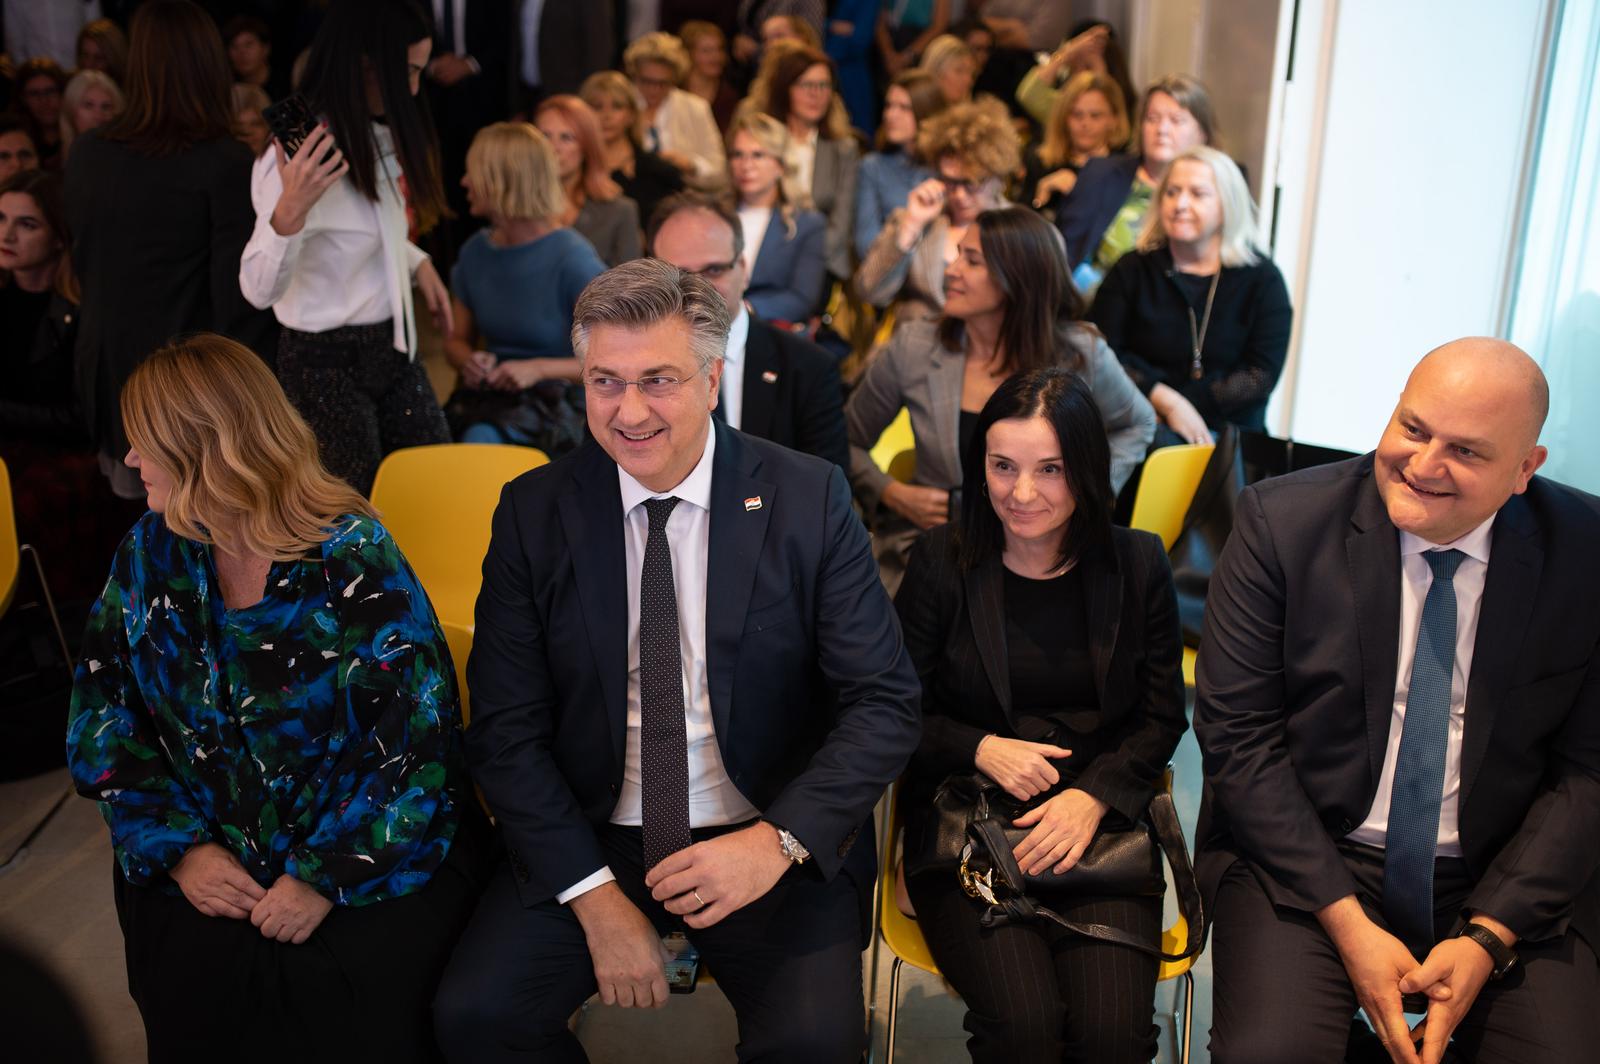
(315, 733)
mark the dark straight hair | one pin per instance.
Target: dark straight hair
(362, 37)
(180, 86)
(1062, 398)
(1027, 261)
(45, 189)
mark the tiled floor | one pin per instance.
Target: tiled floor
(56, 902)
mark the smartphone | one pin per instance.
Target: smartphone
(291, 121)
(683, 966)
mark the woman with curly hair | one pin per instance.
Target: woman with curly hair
(973, 149)
(266, 711)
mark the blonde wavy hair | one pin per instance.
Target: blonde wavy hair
(73, 94)
(657, 47)
(1239, 231)
(1057, 147)
(978, 134)
(773, 137)
(614, 86)
(513, 172)
(244, 464)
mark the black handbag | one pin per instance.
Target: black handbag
(972, 834)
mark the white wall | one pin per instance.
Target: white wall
(1399, 208)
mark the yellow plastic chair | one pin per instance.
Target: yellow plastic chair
(437, 501)
(904, 937)
(896, 450)
(1167, 486)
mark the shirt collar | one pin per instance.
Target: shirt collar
(738, 336)
(1474, 544)
(694, 488)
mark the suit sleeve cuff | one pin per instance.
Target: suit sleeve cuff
(599, 877)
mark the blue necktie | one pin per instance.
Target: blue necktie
(1418, 786)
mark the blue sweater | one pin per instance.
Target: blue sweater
(521, 298)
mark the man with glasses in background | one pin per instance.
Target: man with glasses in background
(689, 690)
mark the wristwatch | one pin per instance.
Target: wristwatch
(1503, 956)
(792, 849)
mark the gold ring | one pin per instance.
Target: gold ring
(698, 898)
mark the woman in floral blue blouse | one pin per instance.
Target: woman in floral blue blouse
(266, 711)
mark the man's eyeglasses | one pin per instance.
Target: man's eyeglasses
(656, 387)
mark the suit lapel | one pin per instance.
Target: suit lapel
(1373, 553)
(770, 252)
(591, 517)
(762, 379)
(945, 370)
(741, 508)
(986, 611)
(1516, 562)
(1102, 585)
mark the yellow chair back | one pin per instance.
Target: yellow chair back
(10, 545)
(437, 501)
(459, 639)
(1166, 488)
(896, 450)
(900, 932)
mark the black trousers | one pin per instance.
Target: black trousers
(360, 396)
(790, 963)
(211, 988)
(1037, 992)
(1281, 992)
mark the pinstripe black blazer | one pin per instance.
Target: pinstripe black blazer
(955, 629)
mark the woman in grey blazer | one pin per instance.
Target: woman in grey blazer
(1009, 308)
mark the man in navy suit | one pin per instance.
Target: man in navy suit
(1399, 708)
(689, 689)
(775, 384)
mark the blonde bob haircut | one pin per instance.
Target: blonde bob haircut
(243, 462)
(978, 134)
(943, 50)
(1056, 151)
(657, 47)
(77, 88)
(1238, 230)
(513, 172)
(612, 86)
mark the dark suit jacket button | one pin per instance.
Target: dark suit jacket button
(1345, 826)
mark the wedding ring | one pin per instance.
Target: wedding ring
(698, 898)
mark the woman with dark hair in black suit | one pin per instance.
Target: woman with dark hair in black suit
(1048, 645)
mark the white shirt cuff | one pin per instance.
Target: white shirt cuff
(586, 884)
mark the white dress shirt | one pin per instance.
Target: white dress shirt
(731, 399)
(1417, 578)
(753, 222)
(713, 799)
(532, 13)
(351, 263)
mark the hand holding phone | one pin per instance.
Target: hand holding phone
(291, 121)
(314, 169)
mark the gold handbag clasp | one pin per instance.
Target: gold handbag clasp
(976, 885)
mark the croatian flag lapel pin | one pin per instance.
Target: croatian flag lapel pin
(752, 503)
(770, 376)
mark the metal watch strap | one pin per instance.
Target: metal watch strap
(1503, 956)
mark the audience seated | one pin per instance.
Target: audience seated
(951, 65)
(18, 152)
(596, 208)
(675, 124)
(266, 712)
(249, 124)
(973, 150)
(1089, 121)
(886, 177)
(1091, 46)
(1100, 219)
(643, 176)
(797, 88)
(92, 99)
(785, 242)
(249, 43)
(707, 46)
(774, 384)
(1073, 704)
(330, 253)
(514, 287)
(103, 46)
(39, 84)
(158, 202)
(1198, 315)
(1009, 308)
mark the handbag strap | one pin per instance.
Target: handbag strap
(1016, 905)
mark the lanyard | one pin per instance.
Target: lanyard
(1197, 334)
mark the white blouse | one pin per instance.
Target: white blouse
(351, 264)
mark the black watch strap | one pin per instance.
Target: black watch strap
(1503, 956)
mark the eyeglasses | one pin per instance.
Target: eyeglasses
(714, 271)
(656, 387)
(956, 184)
(654, 83)
(822, 85)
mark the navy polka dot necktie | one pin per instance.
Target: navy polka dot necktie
(1418, 787)
(663, 732)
